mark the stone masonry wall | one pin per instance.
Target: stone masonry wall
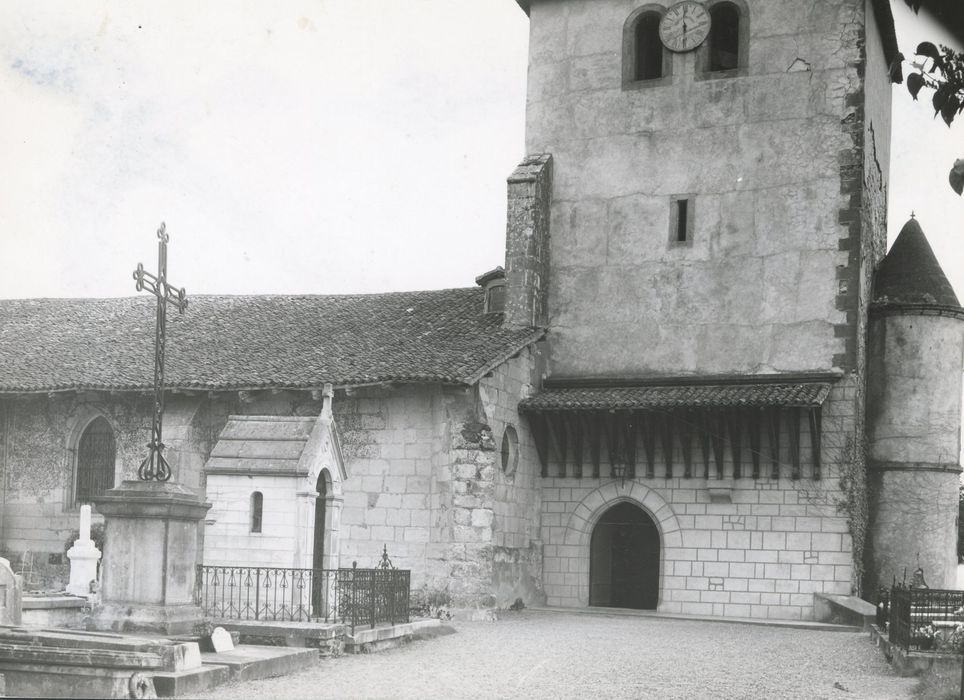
(38, 436)
(516, 551)
(760, 153)
(527, 242)
(763, 555)
(388, 440)
(280, 529)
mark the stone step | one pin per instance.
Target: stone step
(755, 621)
(169, 684)
(250, 662)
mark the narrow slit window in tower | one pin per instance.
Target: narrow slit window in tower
(682, 209)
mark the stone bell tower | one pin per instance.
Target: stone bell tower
(717, 202)
(705, 193)
(914, 415)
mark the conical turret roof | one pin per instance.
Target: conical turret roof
(910, 273)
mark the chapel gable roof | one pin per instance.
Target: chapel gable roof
(911, 274)
(254, 342)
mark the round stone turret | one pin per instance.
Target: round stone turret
(915, 356)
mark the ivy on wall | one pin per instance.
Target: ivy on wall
(855, 504)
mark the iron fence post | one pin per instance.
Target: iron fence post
(354, 595)
(257, 593)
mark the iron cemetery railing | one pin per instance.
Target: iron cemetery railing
(350, 596)
(914, 610)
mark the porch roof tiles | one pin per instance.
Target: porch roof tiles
(804, 395)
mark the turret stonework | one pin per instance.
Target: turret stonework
(914, 416)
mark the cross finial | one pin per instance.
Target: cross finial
(912, 214)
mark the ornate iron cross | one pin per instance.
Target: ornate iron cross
(155, 467)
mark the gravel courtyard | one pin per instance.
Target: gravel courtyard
(561, 655)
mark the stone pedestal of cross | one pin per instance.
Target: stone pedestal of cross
(151, 553)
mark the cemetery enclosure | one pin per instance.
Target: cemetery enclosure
(352, 596)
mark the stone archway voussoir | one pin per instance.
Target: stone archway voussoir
(652, 502)
(608, 492)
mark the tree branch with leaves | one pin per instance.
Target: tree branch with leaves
(940, 69)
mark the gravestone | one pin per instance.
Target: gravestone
(11, 595)
(83, 556)
(221, 640)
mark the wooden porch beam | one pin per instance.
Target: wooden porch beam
(735, 429)
(575, 438)
(686, 429)
(540, 436)
(794, 434)
(816, 420)
(666, 438)
(704, 430)
(629, 444)
(557, 437)
(648, 430)
(773, 432)
(717, 428)
(610, 432)
(592, 431)
(754, 425)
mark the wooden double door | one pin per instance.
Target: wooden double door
(624, 559)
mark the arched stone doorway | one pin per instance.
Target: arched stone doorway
(624, 559)
(319, 589)
(321, 507)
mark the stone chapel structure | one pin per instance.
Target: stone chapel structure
(697, 385)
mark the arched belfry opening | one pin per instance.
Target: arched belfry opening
(624, 559)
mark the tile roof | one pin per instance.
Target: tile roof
(911, 274)
(808, 394)
(252, 342)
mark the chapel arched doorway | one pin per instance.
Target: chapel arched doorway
(624, 559)
(318, 585)
(321, 506)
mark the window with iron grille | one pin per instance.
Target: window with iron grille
(95, 461)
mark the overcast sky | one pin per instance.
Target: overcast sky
(333, 146)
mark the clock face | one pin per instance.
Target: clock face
(684, 26)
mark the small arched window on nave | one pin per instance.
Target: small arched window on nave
(95, 461)
(724, 39)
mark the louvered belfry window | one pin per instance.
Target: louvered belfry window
(95, 461)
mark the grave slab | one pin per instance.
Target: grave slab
(250, 662)
(188, 683)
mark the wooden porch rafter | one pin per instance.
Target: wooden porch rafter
(585, 440)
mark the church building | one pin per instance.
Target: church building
(696, 385)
